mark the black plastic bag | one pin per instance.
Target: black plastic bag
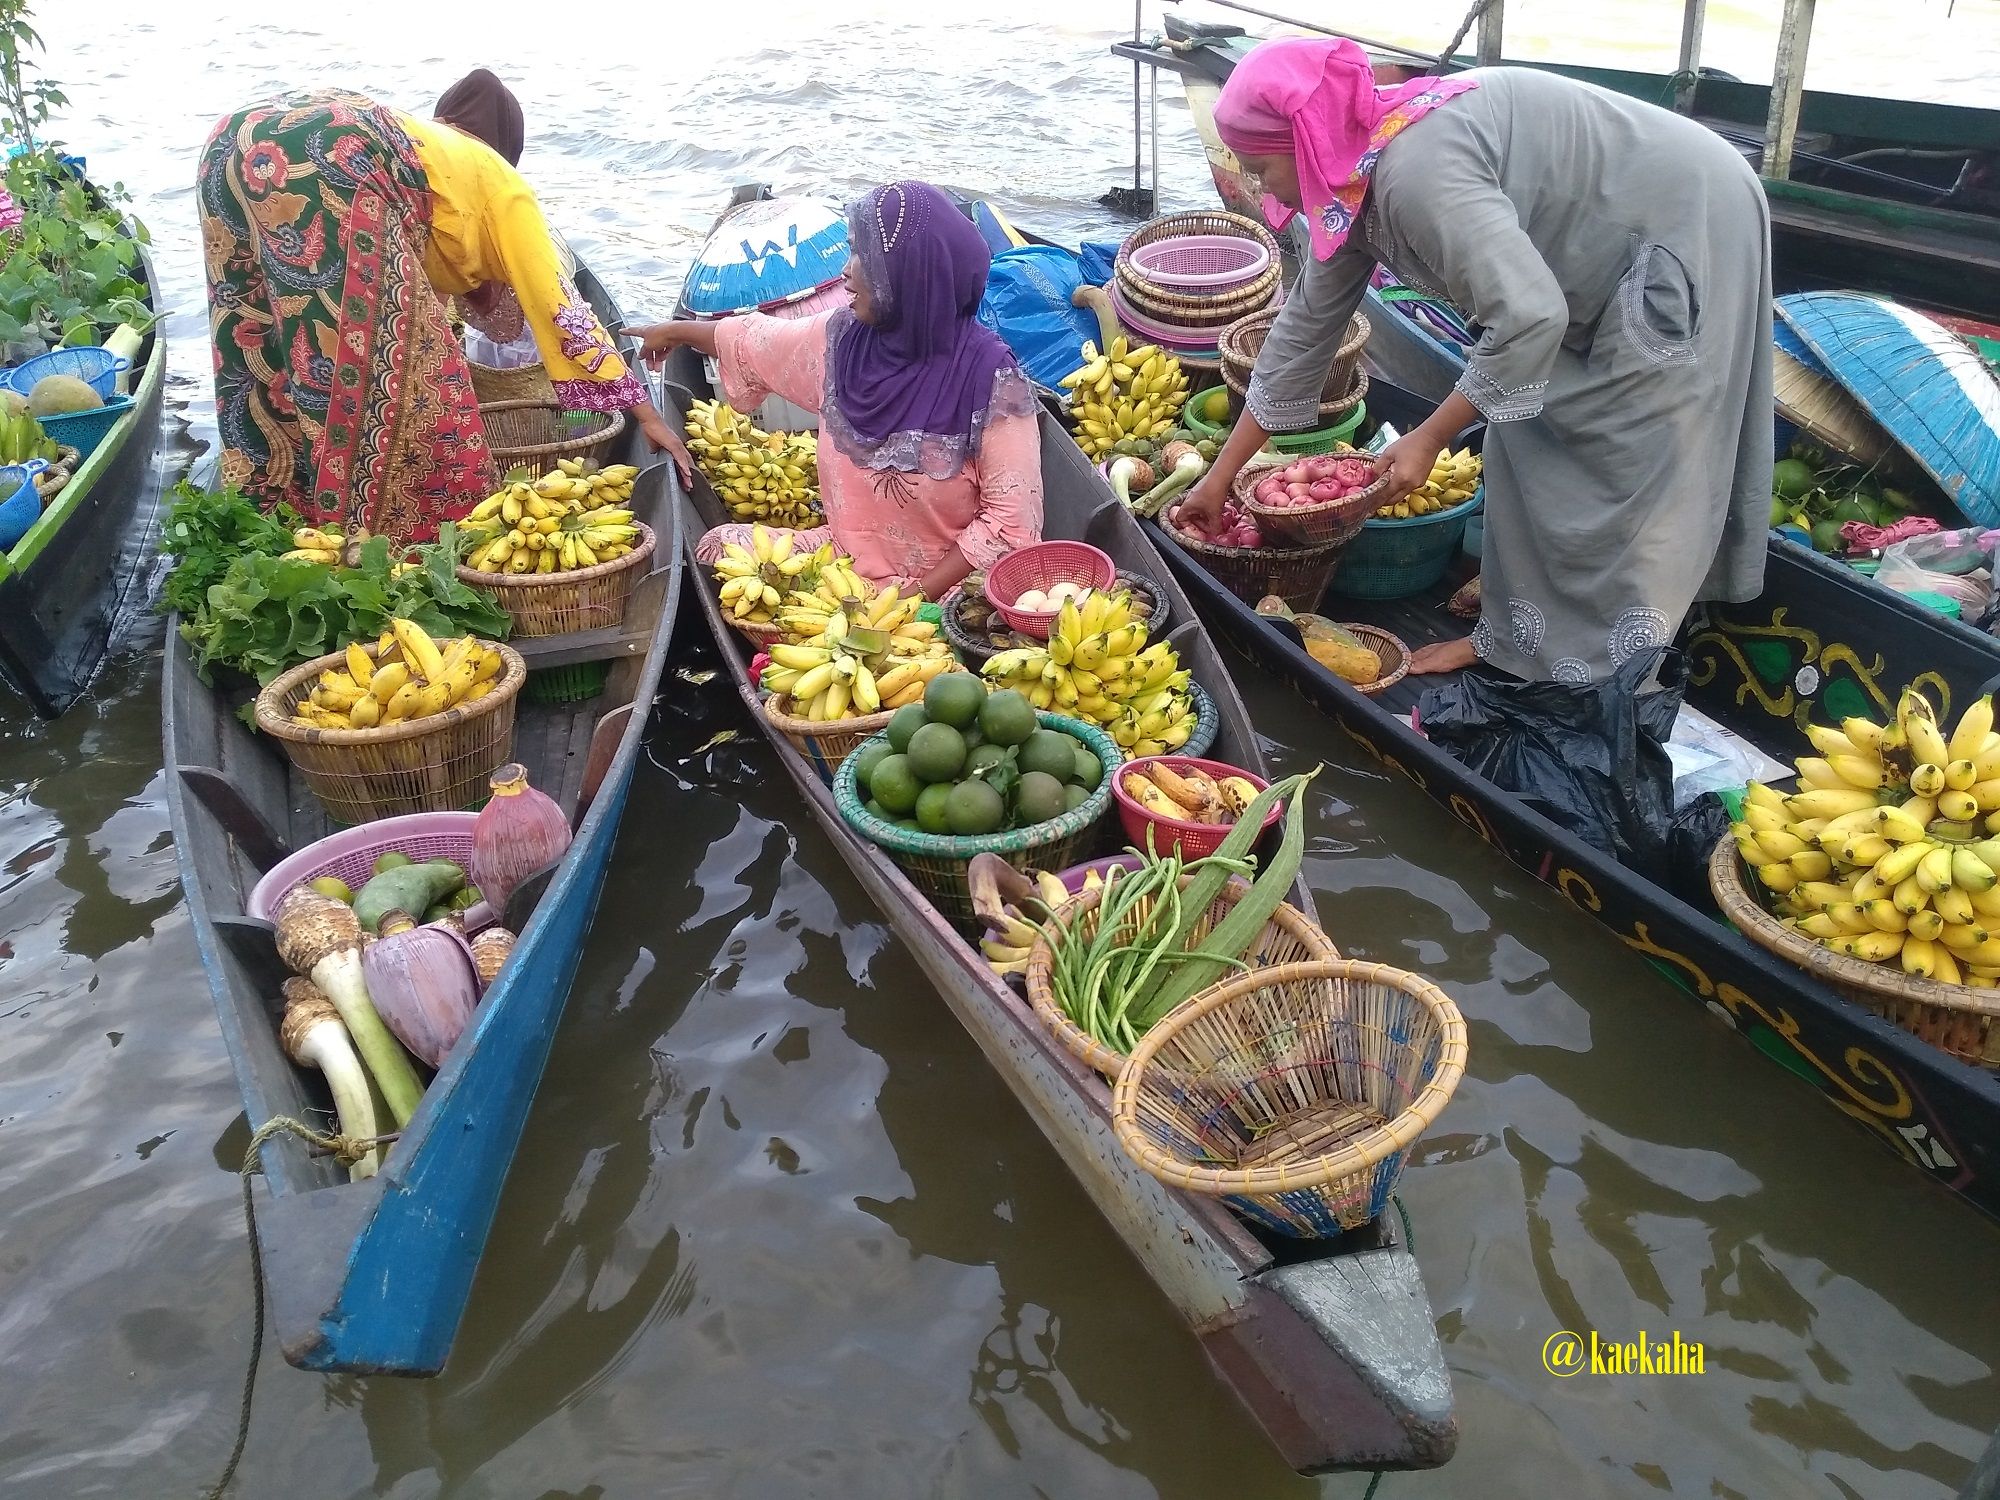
(1590, 758)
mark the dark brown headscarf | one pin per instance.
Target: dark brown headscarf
(483, 107)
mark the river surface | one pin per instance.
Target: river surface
(777, 1231)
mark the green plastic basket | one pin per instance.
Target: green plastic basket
(1194, 423)
(1394, 559)
(570, 684)
(1322, 439)
(936, 862)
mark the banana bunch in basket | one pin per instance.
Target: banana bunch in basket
(1098, 667)
(852, 649)
(409, 676)
(1124, 393)
(761, 476)
(756, 578)
(570, 518)
(1888, 850)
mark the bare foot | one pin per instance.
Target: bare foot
(1443, 656)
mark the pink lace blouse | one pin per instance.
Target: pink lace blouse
(896, 526)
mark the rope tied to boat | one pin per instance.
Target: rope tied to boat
(347, 1150)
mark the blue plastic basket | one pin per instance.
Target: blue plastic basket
(96, 368)
(84, 430)
(20, 504)
(1391, 559)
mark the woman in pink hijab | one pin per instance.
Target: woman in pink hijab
(1615, 261)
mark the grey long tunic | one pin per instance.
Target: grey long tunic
(1617, 258)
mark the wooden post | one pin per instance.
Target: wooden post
(1788, 82)
(1690, 68)
(1488, 55)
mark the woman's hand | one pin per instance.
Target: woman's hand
(1201, 508)
(1407, 463)
(661, 339)
(665, 440)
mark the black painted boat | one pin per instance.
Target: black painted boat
(64, 584)
(1331, 1346)
(1819, 644)
(371, 1277)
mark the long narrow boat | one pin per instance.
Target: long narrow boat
(1331, 1346)
(371, 1277)
(1879, 198)
(1760, 669)
(64, 583)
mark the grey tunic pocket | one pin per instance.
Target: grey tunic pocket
(1659, 306)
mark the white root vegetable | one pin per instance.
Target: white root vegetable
(313, 1037)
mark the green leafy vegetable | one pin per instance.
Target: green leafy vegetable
(206, 531)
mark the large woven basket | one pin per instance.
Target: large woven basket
(1199, 221)
(1196, 310)
(534, 434)
(936, 862)
(1243, 340)
(493, 385)
(440, 763)
(592, 598)
(824, 742)
(1294, 1093)
(761, 632)
(1297, 575)
(1333, 524)
(1954, 1018)
(1289, 937)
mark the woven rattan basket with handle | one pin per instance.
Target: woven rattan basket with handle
(1295, 1093)
(824, 742)
(439, 763)
(534, 434)
(592, 598)
(492, 385)
(1334, 523)
(1289, 936)
(1243, 340)
(1954, 1018)
(1297, 575)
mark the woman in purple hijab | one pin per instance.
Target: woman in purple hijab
(929, 457)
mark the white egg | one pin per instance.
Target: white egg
(1035, 600)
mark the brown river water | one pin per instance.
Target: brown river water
(777, 1230)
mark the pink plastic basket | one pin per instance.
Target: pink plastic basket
(1193, 840)
(1176, 337)
(1042, 566)
(350, 856)
(1205, 262)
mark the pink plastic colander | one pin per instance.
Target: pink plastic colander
(1202, 262)
(350, 856)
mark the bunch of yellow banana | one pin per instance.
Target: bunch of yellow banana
(1098, 667)
(851, 649)
(1880, 853)
(320, 544)
(1124, 393)
(761, 476)
(1453, 479)
(754, 578)
(570, 518)
(407, 676)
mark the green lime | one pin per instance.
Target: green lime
(905, 722)
(981, 760)
(1075, 796)
(1826, 536)
(865, 761)
(334, 886)
(875, 809)
(1038, 798)
(936, 753)
(911, 824)
(974, 807)
(1791, 478)
(895, 784)
(1051, 752)
(954, 698)
(933, 804)
(1006, 718)
(390, 859)
(1089, 769)
(973, 735)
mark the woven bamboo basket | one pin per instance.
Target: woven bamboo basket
(975, 649)
(1393, 654)
(1825, 411)
(761, 632)
(1332, 524)
(1199, 221)
(534, 434)
(592, 598)
(1196, 310)
(936, 862)
(493, 385)
(1289, 937)
(1297, 575)
(440, 763)
(1954, 1018)
(1242, 341)
(1294, 1093)
(826, 743)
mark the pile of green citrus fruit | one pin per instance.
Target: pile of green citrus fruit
(966, 761)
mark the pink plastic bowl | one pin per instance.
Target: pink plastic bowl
(350, 856)
(1194, 840)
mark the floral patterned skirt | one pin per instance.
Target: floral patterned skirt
(340, 387)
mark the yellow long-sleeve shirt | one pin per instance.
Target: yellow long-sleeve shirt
(486, 227)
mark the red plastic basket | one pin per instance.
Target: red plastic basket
(1194, 840)
(1042, 566)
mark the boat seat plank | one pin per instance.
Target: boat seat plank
(613, 642)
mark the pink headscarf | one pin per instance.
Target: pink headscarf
(1316, 101)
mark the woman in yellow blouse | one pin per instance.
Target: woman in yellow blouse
(335, 231)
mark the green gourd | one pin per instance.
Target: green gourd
(405, 888)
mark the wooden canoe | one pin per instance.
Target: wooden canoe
(371, 1277)
(1816, 644)
(1331, 1347)
(65, 582)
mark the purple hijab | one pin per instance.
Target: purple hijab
(911, 391)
